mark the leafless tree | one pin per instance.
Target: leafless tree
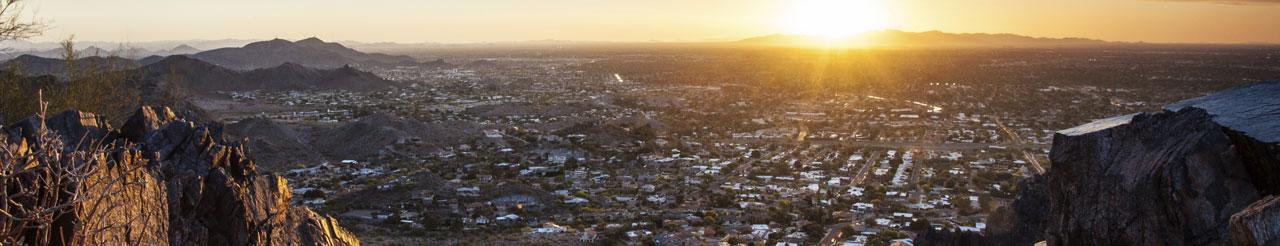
(97, 195)
(55, 193)
(12, 23)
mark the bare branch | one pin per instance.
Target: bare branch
(13, 25)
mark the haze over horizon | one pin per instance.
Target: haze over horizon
(402, 21)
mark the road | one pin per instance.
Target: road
(867, 167)
(1035, 163)
(834, 234)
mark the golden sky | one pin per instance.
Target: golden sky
(453, 21)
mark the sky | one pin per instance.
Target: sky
(464, 21)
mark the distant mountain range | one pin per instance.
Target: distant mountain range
(35, 65)
(181, 49)
(931, 39)
(311, 52)
(14, 48)
(274, 65)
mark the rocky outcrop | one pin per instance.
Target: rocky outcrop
(1192, 174)
(311, 52)
(200, 77)
(275, 146)
(1257, 224)
(384, 134)
(192, 186)
(1168, 178)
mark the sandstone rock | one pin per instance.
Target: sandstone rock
(146, 119)
(193, 187)
(75, 128)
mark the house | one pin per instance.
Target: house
(508, 218)
(469, 191)
(576, 200)
(549, 228)
(760, 231)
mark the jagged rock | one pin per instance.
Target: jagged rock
(75, 128)
(1168, 178)
(195, 188)
(146, 119)
(1259, 224)
(1020, 225)
(1250, 115)
(1177, 177)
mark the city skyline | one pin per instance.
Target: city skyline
(1159, 21)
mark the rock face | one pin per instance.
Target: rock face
(274, 145)
(1193, 174)
(1256, 225)
(201, 77)
(1168, 178)
(194, 187)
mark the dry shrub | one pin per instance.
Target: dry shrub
(60, 194)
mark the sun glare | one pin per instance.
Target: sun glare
(835, 18)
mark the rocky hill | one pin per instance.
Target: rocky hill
(181, 49)
(1201, 172)
(187, 185)
(379, 134)
(311, 52)
(200, 76)
(274, 145)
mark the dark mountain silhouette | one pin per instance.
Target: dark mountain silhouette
(438, 63)
(311, 52)
(895, 38)
(275, 145)
(195, 75)
(482, 63)
(286, 75)
(200, 76)
(181, 50)
(149, 60)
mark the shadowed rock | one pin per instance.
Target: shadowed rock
(1168, 178)
(1192, 174)
(1259, 224)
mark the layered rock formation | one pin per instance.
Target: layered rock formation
(186, 186)
(1193, 174)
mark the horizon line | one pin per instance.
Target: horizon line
(652, 41)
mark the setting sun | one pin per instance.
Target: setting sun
(834, 18)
